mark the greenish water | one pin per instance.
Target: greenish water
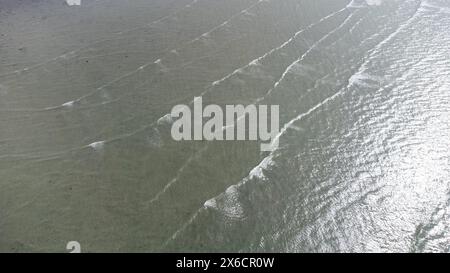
(86, 153)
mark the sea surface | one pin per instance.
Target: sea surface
(86, 153)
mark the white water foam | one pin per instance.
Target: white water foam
(211, 203)
(73, 2)
(97, 145)
(357, 4)
(166, 119)
(364, 79)
(229, 204)
(258, 171)
(364, 3)
(68, 104)
(374, 2)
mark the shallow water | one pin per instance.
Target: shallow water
(86, 153)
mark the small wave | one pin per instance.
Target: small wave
(364, 79)
(258, 171)
(73, 2)
(374, 2)
(164, 120)
(97, 145)
(249, 14)
(255, 62)
(357, 4)
(228, 203)
(68, 104)
(211, 203)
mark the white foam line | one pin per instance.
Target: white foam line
(242, 12)
(28, 68)
(266, 161)
(353, 4)
(71, 54)
(95, 146)
(111, 54)
(183, 227)
(356, 25)
(178, 175)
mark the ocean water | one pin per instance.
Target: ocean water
(86, 153)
